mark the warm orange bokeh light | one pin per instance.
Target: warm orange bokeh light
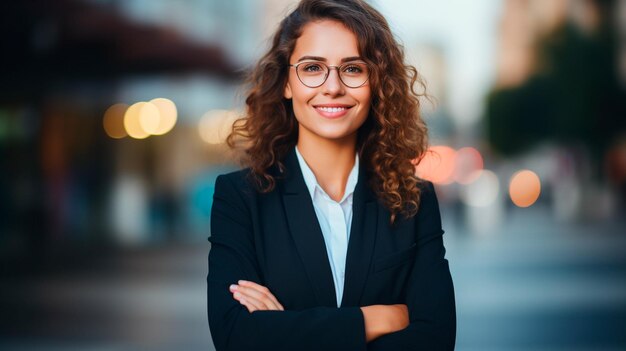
(156, 117)
(132, 121)
(149, 117)
(524, 188)
(468, 162)
(437, 165)
(167, 115)
(113, 121)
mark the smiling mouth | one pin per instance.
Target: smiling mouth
(332, 111)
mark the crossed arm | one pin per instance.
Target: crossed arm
(379, 319)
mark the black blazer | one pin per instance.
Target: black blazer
(274, 239)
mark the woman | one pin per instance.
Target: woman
(328, 241)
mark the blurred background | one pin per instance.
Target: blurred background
(112, 120)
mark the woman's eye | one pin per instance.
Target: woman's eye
(313, 67)
(353, 69)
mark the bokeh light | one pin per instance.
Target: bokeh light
(468, 162)
(132, 121)
(149, 117)
(524, 188)
(113, 121)
(483, 191)
(216, 125)
(437, 165)
(168, 115)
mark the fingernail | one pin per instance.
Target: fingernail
(237, 295)
(233, 287)
(241, 282)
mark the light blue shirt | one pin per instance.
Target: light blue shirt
(335, 220)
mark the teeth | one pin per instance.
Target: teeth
(331, 109)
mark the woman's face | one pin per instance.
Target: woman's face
(331, 111)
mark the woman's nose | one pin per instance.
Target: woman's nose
(333, 84)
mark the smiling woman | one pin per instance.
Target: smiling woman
(328, 240)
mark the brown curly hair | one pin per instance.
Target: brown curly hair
(392, 140)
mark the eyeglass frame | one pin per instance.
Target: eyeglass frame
(328, 72)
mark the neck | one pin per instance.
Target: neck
(331, 161)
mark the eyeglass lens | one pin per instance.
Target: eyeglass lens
(314, 74)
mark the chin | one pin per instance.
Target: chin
(335, 135)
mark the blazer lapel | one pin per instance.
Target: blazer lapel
(306, 232)
(362, 239)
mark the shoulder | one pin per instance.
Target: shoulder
(428, 196)
(242, 182)
(235, 185)
(238, 193)
(428, 215)
(425, 186)
(239, 178)
(232, 199)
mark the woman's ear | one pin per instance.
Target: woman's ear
(288, 94)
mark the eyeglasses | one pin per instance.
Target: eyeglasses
(314, 73)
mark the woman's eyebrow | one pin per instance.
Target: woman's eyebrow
(323, 59)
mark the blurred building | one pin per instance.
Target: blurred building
(66, 181)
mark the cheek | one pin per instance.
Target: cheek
(299, 99)
(365, 98)
(301, 94)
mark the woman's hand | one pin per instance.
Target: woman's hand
(384, 319)
(255, 297)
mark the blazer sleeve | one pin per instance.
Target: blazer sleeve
(430, 293)
(232, 257)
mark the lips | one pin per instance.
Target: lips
(332, 110)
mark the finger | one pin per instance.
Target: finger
(244, 301)
(251, 302)
(260, 299)
(247, 305)
(260, 293)
(264, 290)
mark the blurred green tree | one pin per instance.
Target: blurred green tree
(573, 97)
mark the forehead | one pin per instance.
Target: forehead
(326, 38)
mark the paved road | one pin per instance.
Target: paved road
(539, 285)
(531, 284)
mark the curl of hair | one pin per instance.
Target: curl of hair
(392, 140)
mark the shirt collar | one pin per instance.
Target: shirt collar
(312, 184)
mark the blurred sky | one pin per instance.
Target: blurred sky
(446, 26)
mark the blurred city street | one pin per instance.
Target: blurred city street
(531, 284)
(113, 121)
